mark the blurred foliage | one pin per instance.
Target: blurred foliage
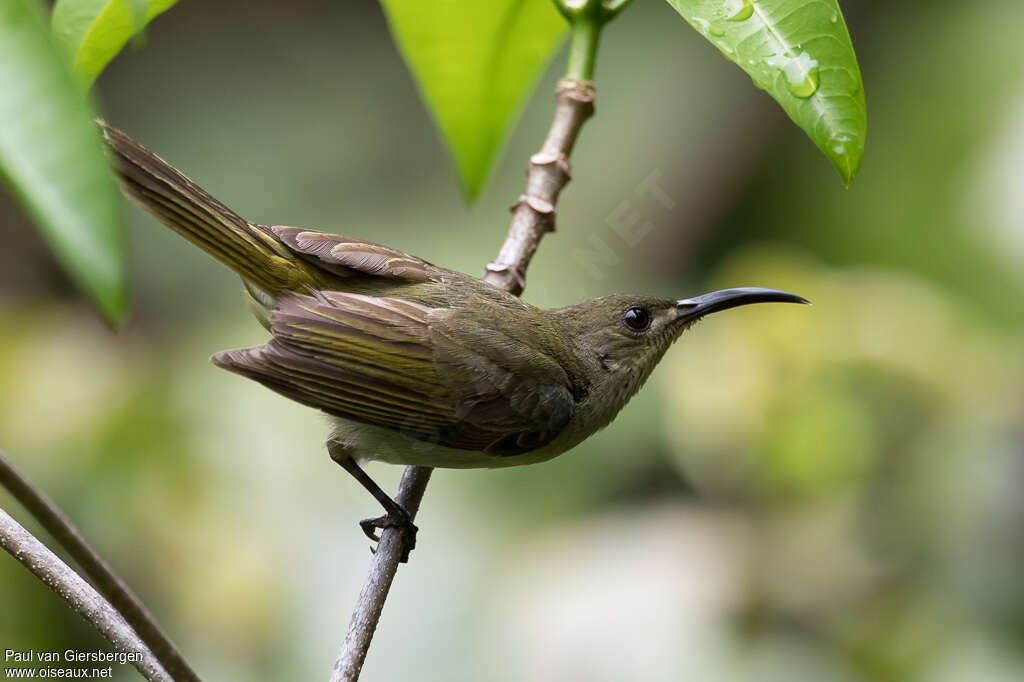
(50, 156)
(825, 493)
(875, 442)
(799, 52)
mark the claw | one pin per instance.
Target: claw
(369, 528)
(397, 519)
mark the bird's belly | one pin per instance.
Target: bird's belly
(375, 443)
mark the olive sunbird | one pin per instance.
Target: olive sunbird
(417, 364)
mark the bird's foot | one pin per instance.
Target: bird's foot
(397, 518)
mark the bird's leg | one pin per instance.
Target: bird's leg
(396, 516)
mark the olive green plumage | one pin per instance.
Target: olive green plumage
(419, 364)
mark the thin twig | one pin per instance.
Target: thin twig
(532, 217)
(79, 595)
(385, 563)
(107, 582)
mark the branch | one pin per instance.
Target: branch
(533, 215)
(385, 563)
(108, 583)
(79, 595)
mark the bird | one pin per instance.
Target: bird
(416, 364)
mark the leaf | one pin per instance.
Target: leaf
(474, 62)
(51, 156)
(96, 30)
(799, 51)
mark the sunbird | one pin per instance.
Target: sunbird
(414, 363)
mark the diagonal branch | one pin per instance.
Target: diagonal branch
(79, 595)
(389, 554)
(107, 582)
(533, 214)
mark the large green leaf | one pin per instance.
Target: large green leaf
(96, 30)
(474, 61)
(51, 156)
(799, 51)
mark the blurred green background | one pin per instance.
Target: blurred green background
(829, 493)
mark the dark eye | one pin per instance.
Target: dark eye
(636, 318)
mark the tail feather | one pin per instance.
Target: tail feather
(189, 210)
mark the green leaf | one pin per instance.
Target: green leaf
(799, 51)
(96, 30)
(51, 156)
(473, 62)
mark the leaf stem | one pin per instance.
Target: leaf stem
(584, 36)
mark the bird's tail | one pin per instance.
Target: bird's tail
(186, 208)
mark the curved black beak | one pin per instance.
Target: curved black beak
(690, 309)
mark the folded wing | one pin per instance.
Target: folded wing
(395, 364)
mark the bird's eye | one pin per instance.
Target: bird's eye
(636, 318)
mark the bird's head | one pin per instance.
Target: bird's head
(626, 336)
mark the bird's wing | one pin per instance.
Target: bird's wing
(347, 257)
(383, 361)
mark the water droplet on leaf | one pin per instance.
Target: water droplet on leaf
(744, 12)
(807, 87)
(801, 72)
